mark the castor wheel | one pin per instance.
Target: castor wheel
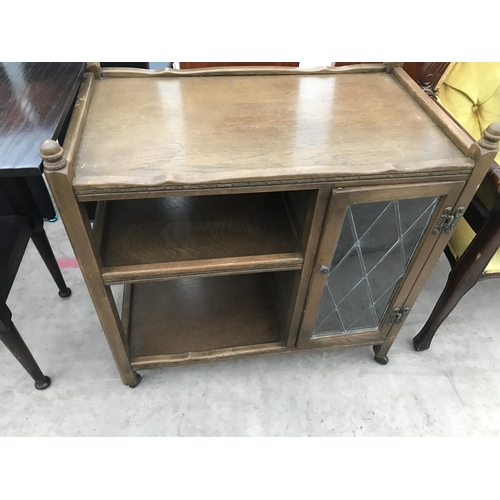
(64, 294)
(138, 379)
(42, 384)
(380, 360)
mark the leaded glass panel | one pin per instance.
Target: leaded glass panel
(375, 246)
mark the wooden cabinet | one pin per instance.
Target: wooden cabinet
(252, 212)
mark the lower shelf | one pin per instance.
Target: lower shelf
(202, 318)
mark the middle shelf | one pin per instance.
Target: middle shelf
(187, 236)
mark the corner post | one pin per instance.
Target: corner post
(77, 225)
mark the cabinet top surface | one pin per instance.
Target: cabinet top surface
(211, 129)
(35, 99)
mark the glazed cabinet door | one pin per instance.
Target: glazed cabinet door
(374, 243)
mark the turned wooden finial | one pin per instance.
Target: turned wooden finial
(491, 136)
(52, 155)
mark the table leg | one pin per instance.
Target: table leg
(45, 250)
(12, 339)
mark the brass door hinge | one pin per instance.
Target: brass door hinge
(451, 224)
(398, 315)
(448, 221)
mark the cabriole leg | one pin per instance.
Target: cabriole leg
(463, 276)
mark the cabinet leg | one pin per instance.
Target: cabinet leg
(12, 339)
(381, 359)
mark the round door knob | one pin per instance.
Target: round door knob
(323, 269)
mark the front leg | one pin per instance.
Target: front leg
(15, 344)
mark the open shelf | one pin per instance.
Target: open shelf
(184, 320)
(183, 236)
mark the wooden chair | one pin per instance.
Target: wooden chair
(21, 220)
(470, 92)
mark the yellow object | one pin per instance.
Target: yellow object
(471, 93)
(460, 240)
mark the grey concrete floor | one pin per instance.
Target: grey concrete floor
(451, 390)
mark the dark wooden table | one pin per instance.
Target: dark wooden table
(35, 100)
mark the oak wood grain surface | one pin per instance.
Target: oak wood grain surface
(203, 314)
(34, 101)
(201, 268)
(187, 228)
(186, 131)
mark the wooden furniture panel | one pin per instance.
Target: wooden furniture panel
(181, 131)
(302, 149)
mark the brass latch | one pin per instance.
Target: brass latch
(398, 315)
(448, 221)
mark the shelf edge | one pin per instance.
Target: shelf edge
(202, 268)
(257, 350)
(146, 362)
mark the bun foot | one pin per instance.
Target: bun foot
(138, 379)
(64, 294)
(43, 384)
(383, 360)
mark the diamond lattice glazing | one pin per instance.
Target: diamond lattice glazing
(376, 244)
